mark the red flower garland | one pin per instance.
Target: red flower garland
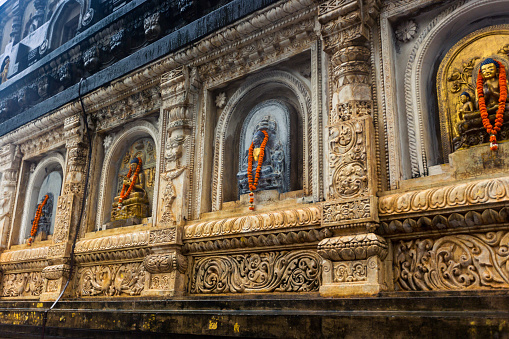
(35, 223)
(253, 184)
(135, 176)
(499, 120)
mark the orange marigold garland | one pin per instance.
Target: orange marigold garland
(135, 176)
(499, 119)
(35, 223)
(254, 183)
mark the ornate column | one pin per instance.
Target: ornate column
(68, 209)
(10, 162)
(354, 257)
(17, 13)
(167, 265)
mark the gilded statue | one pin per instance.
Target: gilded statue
(5, 70)
(132, 202)
(486, 123)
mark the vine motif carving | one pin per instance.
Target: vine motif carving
(461, 78)
(111, 280)
(352, 271)
(458, 262)
(352, 210)
(28, 284)
(297, 271)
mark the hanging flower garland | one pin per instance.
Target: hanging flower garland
(499, 119)
(135, 177)
(254, 183)
(35, 223)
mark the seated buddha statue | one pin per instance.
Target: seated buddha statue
(132, 202)
(487, 123)
(265, 175)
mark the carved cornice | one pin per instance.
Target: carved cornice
(307, 216)
(114, 242)
(43, 143)
(353, 247)
(24, 255)
(480, 192)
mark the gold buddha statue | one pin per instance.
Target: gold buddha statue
(132, 202)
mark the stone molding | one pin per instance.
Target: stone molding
(165, 263)
(353, 247)
(308, 216)
(24, 255)
(114, 242)
(56, 272)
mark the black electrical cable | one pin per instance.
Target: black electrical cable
(71, 265)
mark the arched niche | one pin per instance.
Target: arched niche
(270, 87)
(421, 114)
(135, 139)
(46, 178)
(64, 23)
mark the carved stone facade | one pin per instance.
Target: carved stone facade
(366, 189)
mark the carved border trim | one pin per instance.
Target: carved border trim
(261, 222)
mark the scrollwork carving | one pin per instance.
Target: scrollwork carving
(456, 262)
(352, 271)
(162, 236)
(28, 284)
(297, 271)
(111, 280)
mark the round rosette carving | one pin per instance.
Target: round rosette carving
(349, 180)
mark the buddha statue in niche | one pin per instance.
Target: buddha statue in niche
(265, 147)
(132, 202)
(487, 123)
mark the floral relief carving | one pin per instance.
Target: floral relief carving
(265, 221)
(351, 210)
(353, 247)
(111, 280)
(351, 271)
(456, 262)
(297, 271)
(406, 31)
(161, 282)
(28, 284)
(63, 217)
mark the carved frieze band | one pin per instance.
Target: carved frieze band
(111, 280)
(24, 255)
(459, 195)
(262, 222)
(442, 222)
(264, 240)
(348, 212)
(135, 239)
(456, 262)
(165, 263)
(296, 271)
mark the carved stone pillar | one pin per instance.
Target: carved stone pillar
(166, 265)
(351, 205)
(68, 208)
(10, 161)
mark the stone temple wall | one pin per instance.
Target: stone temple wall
(377, 204)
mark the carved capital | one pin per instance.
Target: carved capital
(353, 247)
(346, 22)
(56, 272)
(165, 263)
